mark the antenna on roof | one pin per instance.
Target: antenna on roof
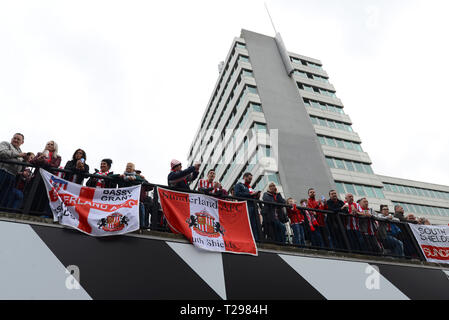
(281, 47)
(269, 15)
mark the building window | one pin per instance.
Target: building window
(340, 164)
(420, 192)
(240, 45)
(243, 59)
(421, 209)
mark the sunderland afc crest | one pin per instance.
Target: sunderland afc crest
(113, 222)
(204, 224)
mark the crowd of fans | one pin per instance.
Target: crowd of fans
(312, 222)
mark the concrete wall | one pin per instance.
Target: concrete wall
(300, 158)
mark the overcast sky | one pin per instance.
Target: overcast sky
(130, 80)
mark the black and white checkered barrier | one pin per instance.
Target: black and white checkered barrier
(44, 262)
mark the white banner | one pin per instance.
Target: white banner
(94, 211)
(433, 241)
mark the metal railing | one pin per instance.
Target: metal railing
(335, 234)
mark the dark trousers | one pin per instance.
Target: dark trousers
(253, 216)
(316, 239)
(356, 240)
(335, 233)
(7, 181)
(327, 242)
(371, 244)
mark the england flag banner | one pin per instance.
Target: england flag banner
(93, 211)
(209, 223)
(433, 241)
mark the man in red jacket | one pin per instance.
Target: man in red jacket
(320, 217)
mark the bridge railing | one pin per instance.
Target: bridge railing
(339, 232)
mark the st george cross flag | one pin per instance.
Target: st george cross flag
(94, 211)
(209, 223)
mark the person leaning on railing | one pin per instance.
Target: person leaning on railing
(320, 217)
(105, 167)
(77, 166)
(336, 205)
(210, 186)
(180, 179)
(274, 217)
(352, 209)
(23, 178)
(388, 230)
(243, 190)
(47, 159)
(130, 178)
(311, 227)
(296, 222)
(369, 226)
(399, 213)
(10, 151)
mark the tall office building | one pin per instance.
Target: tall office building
(275, 114)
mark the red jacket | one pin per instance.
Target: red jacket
(313, 204)
(295, 215)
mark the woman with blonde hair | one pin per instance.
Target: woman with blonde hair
(46, 159)
(49, 157)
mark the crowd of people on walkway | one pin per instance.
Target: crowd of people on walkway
(319, 223)
(313, 223)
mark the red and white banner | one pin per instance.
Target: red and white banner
(433, 241)
(209, 223)
(94, 211)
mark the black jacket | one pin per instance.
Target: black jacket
(272, 212)
(92, 182)
(335, 206)
(79, 177)
(181, 179)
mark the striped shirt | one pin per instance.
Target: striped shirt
(206, 184)
(352, 222)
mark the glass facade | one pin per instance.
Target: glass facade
(416, 191)
(332, 142)
(323, 106)
(360, 190)
(331, 124)
(421, 209)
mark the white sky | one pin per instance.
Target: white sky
(130, 80)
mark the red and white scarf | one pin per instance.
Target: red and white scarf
(311, 219)
(101, 183)
(251, 190)
(206, 184)
(353, 220)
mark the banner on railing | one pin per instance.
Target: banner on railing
(209, 223)
(433, 241)
(94, 211)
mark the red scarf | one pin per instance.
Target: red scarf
(312, 220)
(251, 191)
(353, 223)
(100, 182)
(295, 215)
(50, 157)
(313, 204)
